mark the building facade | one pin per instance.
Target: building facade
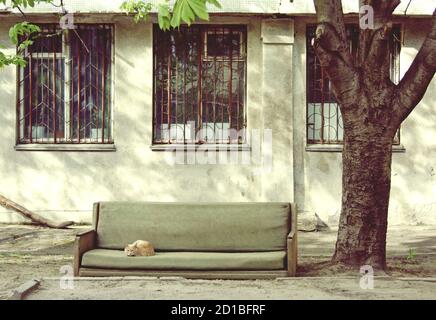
(105, 110)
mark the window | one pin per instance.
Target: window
(64, 92)
(324, 120)
(199, 85)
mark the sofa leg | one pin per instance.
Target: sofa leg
(292, 257)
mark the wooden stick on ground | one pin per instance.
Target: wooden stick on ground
(24, 290)
(9, 204)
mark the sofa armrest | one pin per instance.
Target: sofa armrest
(292, 246)
(84, 242)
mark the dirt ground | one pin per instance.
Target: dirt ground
(28, 252)
(302, 288)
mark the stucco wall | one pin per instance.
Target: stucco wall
(318, 174)
(290, 7)
(66, 184)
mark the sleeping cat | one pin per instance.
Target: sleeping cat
(139, 249)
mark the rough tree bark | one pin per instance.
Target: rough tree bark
(373, 108)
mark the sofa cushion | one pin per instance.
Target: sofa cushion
(230, 227)
(116, 259)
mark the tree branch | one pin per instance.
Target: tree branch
(331, 47)
(413, 86)
(373, 51)
(330, 13)
(383, 9)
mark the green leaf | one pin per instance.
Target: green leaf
(22, 29)
(164, 16)
(183, 11)
(199, 8)
(215, 3)
(188, 10)
(139, 8)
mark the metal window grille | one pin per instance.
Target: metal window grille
(64, 92)
(324, 119)
(199, 85)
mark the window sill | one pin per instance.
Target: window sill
(200, 147)
(324, 148)
(338, 148)
(67, 147)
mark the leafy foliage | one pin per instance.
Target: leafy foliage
(6, 60)
(22, 3)
(20, 31)
(183, 11)
(141, 9)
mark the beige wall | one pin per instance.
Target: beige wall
(64, 185)
(416, 7)
(289, 7)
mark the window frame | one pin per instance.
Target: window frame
(69, 142)
(242, 46)
(161, 145)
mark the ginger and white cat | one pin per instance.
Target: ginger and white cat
(139, 249)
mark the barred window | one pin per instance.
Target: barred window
(199, 85)
(64, 92)
(324, 120)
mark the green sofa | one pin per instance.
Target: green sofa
(192, 240)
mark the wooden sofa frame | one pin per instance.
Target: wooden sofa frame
(87, 240)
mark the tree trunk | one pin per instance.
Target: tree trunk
(366, 187)
(373, 107)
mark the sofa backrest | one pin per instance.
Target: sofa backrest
(214, 227)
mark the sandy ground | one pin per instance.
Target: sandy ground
(293, 289)
(28, 252)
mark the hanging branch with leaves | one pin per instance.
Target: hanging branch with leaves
(23, 33)
(183, 11)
